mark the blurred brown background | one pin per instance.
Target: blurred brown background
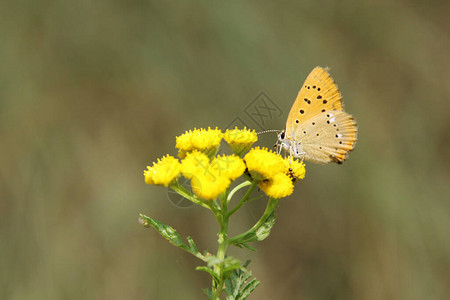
(93, 91)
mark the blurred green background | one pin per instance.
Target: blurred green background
(93, 91)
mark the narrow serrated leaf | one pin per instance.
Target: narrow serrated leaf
(208, 270)
(245, 245)
(263, 232)
(231, 267)
(246, 263)
(240, 285)
(229, 285)
(166, 231)
(192, 245)
(172, 236)
(208, 293)
(248, 289)
(245, 276)
(255, 234)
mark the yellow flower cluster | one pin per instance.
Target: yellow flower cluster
(263, 164)
(205, 140)
(275, 175)
(278, 186)
(239, 140)
(211, 175)
(211, 178)
(163, 172)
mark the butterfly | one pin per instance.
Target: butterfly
(317, 128)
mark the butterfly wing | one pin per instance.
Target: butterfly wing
(326, 137)
(318, 94)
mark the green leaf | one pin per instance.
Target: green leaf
(231, 263)
(212, 260)
(255, 234)
(171, 235)
(210, 271)
(240, 285)
(245, 265)
(228, 264)
(249, 288)
(229, 285)
(248, 247)
(208, 293)
(192, 244)
(263, 232)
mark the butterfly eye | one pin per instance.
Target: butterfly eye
(282, 135)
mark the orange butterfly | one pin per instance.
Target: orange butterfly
(317, 128)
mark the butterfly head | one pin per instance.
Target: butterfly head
(283, 141)
(286, 143)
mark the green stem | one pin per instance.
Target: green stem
(177, 187)
(217, 288)
(244, 199)
(237, 188)
(270, 208)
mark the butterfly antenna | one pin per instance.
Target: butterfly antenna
(271, 130)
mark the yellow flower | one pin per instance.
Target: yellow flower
(239, 140)
(209, 185)
(163, 172)
(196, 162)
(210, 179)
(183, 142)
(264, 164)
(295, 169)
(205, 140)
(231, 166)
(279, 186)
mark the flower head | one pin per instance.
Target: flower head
(204, 140)
(230, 166)
(183, 143)
(163, 172)
(194, 163)
(264, 164)
(239, 140)
(295, 169)
(210, 179)
(279, 186)
(210, 184)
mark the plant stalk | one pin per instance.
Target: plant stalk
(223, 244)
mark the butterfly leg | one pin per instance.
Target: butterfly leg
(291, 150)
(278, 147)
(297, 151)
